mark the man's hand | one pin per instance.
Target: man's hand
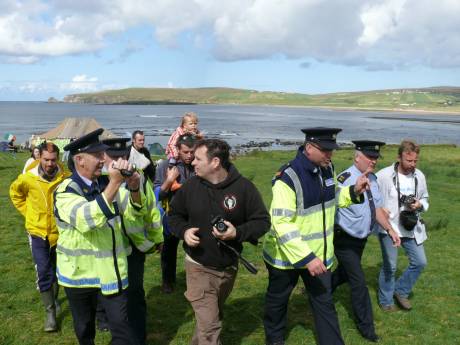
(394, 237)
(191, 237)
(172, 174)
(114, 170)
(362, 183)
(158, 247)
(229, 234)
(133, 181)
(415, 205)
(316, 267)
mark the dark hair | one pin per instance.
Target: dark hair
(188, 140)
(48, 146)
(217, 148)
(136, 132)
(408, 146)
(32, 151)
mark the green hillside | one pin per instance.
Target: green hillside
(429, 99)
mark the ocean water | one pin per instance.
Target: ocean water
(234, 123)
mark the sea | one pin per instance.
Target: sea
(237, 124)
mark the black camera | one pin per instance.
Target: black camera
(218, 223)
(408, 199)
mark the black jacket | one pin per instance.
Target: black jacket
(236, 199)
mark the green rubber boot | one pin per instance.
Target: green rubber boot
(50, 307)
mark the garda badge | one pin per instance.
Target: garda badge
(230, 202)
(343, 177)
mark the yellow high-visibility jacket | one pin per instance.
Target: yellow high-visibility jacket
(32, 196)
(302, 214)
(90, 249)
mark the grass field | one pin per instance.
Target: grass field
(430, 99)
(435, 318)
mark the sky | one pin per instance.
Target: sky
(52, 48)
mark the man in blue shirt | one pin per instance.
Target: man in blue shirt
(352, 227)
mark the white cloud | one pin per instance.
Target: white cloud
(373, 33)
(81, 83)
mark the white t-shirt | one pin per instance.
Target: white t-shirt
(406, 187)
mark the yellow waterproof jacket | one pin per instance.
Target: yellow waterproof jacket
(302, 211)
(32, 195)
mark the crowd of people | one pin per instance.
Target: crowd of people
(90, 228)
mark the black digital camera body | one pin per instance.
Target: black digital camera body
(408, 199)
(218, 223)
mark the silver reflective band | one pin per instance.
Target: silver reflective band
(155, 225)
(134, 229)
(315, 208)
(297, 186)
(145, 246)
(73, 212)
(81, 252)
(289, 236)
(282, 212)
(316, 235)
(63, 225)
(87, 214)
(75, 187)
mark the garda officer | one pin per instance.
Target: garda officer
(352, 227)
(91, 258)
(300, 241)
(142, 236)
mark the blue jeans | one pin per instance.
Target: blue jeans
(403, 286)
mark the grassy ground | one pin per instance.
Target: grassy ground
(436, 298)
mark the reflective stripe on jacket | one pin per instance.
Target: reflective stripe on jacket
(302, 213)
(32, 196)
(90, 250)
(147, 231)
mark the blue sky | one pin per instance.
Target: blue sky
(59, 47)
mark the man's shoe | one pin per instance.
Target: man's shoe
(372, 338)
(167, 288)
(403, 302)
(388, 308)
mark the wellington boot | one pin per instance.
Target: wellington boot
(50, 308)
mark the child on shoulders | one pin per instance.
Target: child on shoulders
(189, 125)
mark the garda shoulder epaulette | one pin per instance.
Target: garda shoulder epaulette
(280, 172)
(343, 176)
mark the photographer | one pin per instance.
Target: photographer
(405, 197)
(169, 177)
(218, 189)
(91, 258)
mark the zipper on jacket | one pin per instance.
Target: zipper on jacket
(115, 262)
(324, 215)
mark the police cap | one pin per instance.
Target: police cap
(370, 148)
(117, 147)
(88, 143)
(322, 136)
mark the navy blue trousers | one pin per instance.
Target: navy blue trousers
(45, 262)
(83, 302)
(280, 285)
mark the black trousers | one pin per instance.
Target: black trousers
(280, 285)
(137, 307)
(82, 303)
(349, 251)
(169, 258)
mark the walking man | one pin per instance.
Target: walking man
(300, 243)
(217, 190)
(169, 178)
(32, 195)
(353, 225)
(91, 256)
(405, 197)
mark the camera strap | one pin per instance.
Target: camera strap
(213, 206)
(396, 183)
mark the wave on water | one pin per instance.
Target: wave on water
(147, 116)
